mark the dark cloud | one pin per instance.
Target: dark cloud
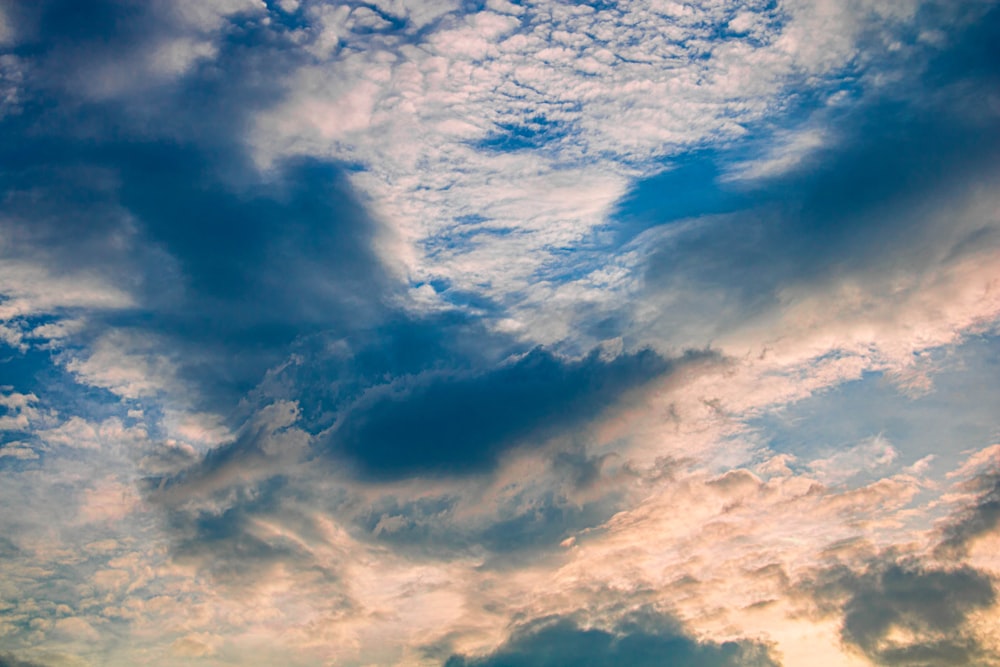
(118, 49)
(223, 546)
(561, 642)
(223, 281)
(331, 370)
(228, 541)
(463, 420)
(865, 202)
(461, 423)
(522, 528)
(982, 517)
(900, 612)
(153, 192)
(8, 660)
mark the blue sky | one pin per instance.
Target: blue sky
(500, 333)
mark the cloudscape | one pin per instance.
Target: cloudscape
(499, 333)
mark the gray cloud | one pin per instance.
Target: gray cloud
(929, 604)
(644, 640)
(981, 518)
(461, 423)
(130, 198)
(8, 660)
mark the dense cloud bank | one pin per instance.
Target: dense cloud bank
(646, 640)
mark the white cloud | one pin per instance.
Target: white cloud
(108, 500)
(787, 152)
(18, 450)
(209, 15)
(126, 363)
(79, 433)
(416, 116)
(20, 410)
(204, 429)
(12, 80)
(978, 462)
(186, 32)
(869, 456)
(175, 57)
(196, 645)
(32, 288)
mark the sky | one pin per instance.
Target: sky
(478, 334)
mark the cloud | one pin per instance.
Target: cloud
(900, 612)
(8, 660)
(151, 231)
(264, 447)
(863, 196)
(980, 518)
(463, 423)
(114, 50)
(873, 454)
(20, 411)
(161, 308)
(650, 641)
(231, 548)
(485, 139)
(109, 500)
(354, 334)
(479, 504)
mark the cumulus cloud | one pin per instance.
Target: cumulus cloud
(905, 613)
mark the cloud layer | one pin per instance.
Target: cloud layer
(533, 333)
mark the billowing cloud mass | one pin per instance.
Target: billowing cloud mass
(502, 333)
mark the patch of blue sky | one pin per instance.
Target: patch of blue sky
(55, 396)
(39, 372)
(476, 302)
(286, 15)
(973, 56)
(689, 186)
(533, 132)
(956, 416)
(697, 183)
